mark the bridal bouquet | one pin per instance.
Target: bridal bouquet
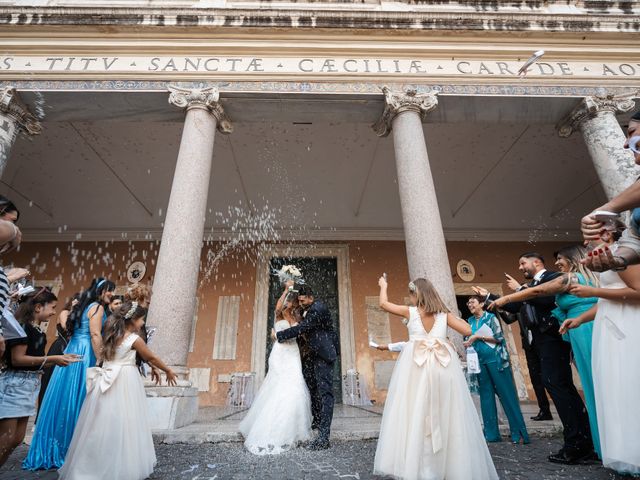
(289, 272)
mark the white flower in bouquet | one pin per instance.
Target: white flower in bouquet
(289, 272)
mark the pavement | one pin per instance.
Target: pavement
(345, 459)
(211, 449)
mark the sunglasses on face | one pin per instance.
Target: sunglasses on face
(634, 144)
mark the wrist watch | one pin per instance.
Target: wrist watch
(622, 262)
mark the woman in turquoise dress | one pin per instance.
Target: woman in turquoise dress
(495, 377)
(571, 306)
(67, 388)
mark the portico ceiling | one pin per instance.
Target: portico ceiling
(104, 164)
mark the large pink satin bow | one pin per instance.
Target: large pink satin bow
(423, 349)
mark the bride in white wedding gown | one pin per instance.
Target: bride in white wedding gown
(280, 416)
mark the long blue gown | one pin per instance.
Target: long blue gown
(570, 306)
(62, 403)
(495, 378)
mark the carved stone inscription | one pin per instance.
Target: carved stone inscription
(377, 322)
(329, 66)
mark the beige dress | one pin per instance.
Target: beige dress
(430, 427)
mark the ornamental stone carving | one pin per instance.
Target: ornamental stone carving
(590, 107)
(12, 107)
(205, 99)
(398, 102)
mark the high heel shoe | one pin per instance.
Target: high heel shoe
(524, 438)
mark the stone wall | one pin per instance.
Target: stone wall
(232, 288)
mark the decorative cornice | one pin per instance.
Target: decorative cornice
(204, 98)
(433, 15)
(591, 107)
(398, 102)
(363, 89)
(12, 106)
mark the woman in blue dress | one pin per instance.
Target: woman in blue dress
(568, 261)
(495, 377)
(66, 391)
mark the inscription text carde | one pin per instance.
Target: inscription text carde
(325, 66)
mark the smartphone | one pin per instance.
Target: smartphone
(384, 275)
(608, 219)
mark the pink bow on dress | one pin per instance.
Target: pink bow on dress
(423, 350)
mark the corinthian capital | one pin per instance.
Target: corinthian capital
(206, 99)
(12, 106)
(591, 107)
(398, 102)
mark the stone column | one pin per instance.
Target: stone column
(14, 118)
(595, 118)
(424, 237)
(176, 277)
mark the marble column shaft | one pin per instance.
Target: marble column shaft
(596, 119)
(14, 117)
(424, 236)
(176, 278)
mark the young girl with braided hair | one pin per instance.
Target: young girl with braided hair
(114, 415)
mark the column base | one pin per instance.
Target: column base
(172, 407)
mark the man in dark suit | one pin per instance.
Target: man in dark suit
(308, 372)
(322, 350)
(532, 355)
(554, 354)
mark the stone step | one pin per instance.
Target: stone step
(220, 425)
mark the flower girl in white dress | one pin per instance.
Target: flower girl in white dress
(112, 438)
(430, 427)
(280, 416)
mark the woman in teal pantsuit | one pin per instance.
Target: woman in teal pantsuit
(495, 377)
(569, 306)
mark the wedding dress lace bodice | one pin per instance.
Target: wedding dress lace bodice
(417, 330)
(281, 325)
(125, 355)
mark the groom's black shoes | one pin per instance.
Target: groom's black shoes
(542, 415)
(318, 444)
(566, 457)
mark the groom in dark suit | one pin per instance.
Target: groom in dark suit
(322, 349)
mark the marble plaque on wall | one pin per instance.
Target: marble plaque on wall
(377, 322)
(200, 378)
(383, 370)
(224, 347)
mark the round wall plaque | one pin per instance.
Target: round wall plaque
(136, 272)
(466, 270)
